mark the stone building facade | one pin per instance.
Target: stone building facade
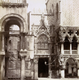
(66, 34)
(35, 45)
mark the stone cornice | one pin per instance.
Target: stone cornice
(13, 4)
(41, 14)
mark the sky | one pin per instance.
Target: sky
(36, 4)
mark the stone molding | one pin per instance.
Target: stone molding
(9, 17)
(7, 4)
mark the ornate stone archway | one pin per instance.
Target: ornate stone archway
(6, 22)
(12, 16)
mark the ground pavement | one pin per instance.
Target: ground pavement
(58, 79)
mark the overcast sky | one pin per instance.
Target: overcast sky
(37, 4)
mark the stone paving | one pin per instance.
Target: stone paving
(58, 79)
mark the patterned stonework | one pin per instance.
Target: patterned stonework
(69, 32)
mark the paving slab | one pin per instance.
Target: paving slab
(58, 79)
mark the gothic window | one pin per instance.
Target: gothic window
(66, 44)
(43, 42)
(74, 43)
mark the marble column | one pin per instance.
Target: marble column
(2, 67)
(78, 72)
(23, 56)
(21, 46)
(22, 68)
(2, 42)
(62, 73)
(78, 48)
(70, 49)
(62, 48)
(32, 69)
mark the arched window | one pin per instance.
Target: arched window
(66, 44)
(74, 43)
(43, 42)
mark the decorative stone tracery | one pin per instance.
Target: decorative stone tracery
(69, 32)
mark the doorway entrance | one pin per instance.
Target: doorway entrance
(71, 68)
(43, 68)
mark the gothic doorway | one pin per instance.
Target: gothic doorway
(71, 68)
(43, 69)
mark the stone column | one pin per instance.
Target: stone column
(62, 48)
(31, 47)
(78, 48)
(32, 69)
(22, 68)
(36, 68)
(2, 67)
(50, 68)
(78, 68)
(23, 56)
(63, 68)
(50, 72)
(78, 72)
(2, 42)
(62, 73)
(21, 43)
(70, 49)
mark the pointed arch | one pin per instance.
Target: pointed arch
(66, 44)
(71, 68)
(74, 43)
(42, 41)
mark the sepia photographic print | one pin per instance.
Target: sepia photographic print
(39, 39)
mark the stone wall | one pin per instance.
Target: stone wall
(70, 13)
(14, 10)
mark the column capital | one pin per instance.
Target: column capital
(36, 60)
(23, 53)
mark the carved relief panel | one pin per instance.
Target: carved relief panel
(13, 64)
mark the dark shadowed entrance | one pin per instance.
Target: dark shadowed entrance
(42, 68)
